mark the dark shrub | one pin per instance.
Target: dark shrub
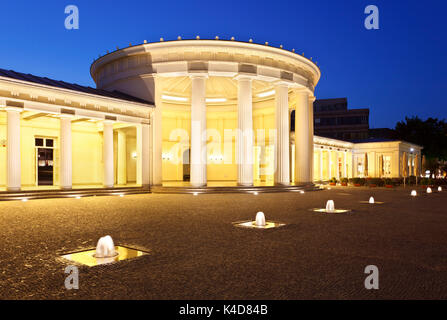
(411, 180)
(379, 182)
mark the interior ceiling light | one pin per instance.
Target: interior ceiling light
(216, 99)
(172, 98)
(266, 94)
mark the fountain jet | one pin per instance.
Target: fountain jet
(371, 200)
(105, 248)
(260, 219)
(330, 206)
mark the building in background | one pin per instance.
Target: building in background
(333, 119)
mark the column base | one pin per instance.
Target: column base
(245, 184)
(285, 184)
(109, 186)
(66, 188)
(198, 185)
(13, 189)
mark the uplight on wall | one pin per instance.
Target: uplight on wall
(173, 98)
(134, 155)
(166, 156)
(214, 100)
(266, 94)
(216, 157)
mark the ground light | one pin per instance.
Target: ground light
(439, 188)
(255, 193)
(24, 200)
(106, 252)
(259, 223)
(371, 201)
(330, 208)
(195, 194)
(429, 190)
(414, 193)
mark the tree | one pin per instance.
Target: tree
(431, 134)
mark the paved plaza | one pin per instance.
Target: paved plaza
(197, 253)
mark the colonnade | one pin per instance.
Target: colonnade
(13, 167)
(244, 137)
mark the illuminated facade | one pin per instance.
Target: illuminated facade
(186, 112)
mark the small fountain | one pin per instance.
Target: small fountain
(414, 193)
(260, 219)
(259, 223)
(330, 206)
(105, 248)
(429, 190)
(371, 201)
(439, 188)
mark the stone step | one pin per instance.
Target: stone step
(48, 194)
(235, 189)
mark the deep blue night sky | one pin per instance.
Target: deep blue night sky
(397, 71)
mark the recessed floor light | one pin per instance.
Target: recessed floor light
(87, 257)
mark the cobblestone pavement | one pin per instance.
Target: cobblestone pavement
(196, 252)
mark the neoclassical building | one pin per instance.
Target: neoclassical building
(177, 113)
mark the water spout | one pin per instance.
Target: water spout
(330, 206)
(105, 248)
(371, 200)
(429, 190)
(260, 219)
(413, 193)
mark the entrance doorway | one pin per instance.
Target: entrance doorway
(186, 165)
(45, 162)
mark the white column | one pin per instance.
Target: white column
(109, 177)
(244, 142)
(66, 167)
(13, 169)
(302, 139)
(321, 164)
(157, 136)
(329, 163)
(198, 131)
(122, 158)
(311, 137)
(345, 172)
(282, 173)
(143, 150)
(337, 162)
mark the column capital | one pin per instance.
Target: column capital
(244, 77)
(16, 109)
(198, 75)
(66, 116)
(108, 121)
(303, 91)
(284, 83)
